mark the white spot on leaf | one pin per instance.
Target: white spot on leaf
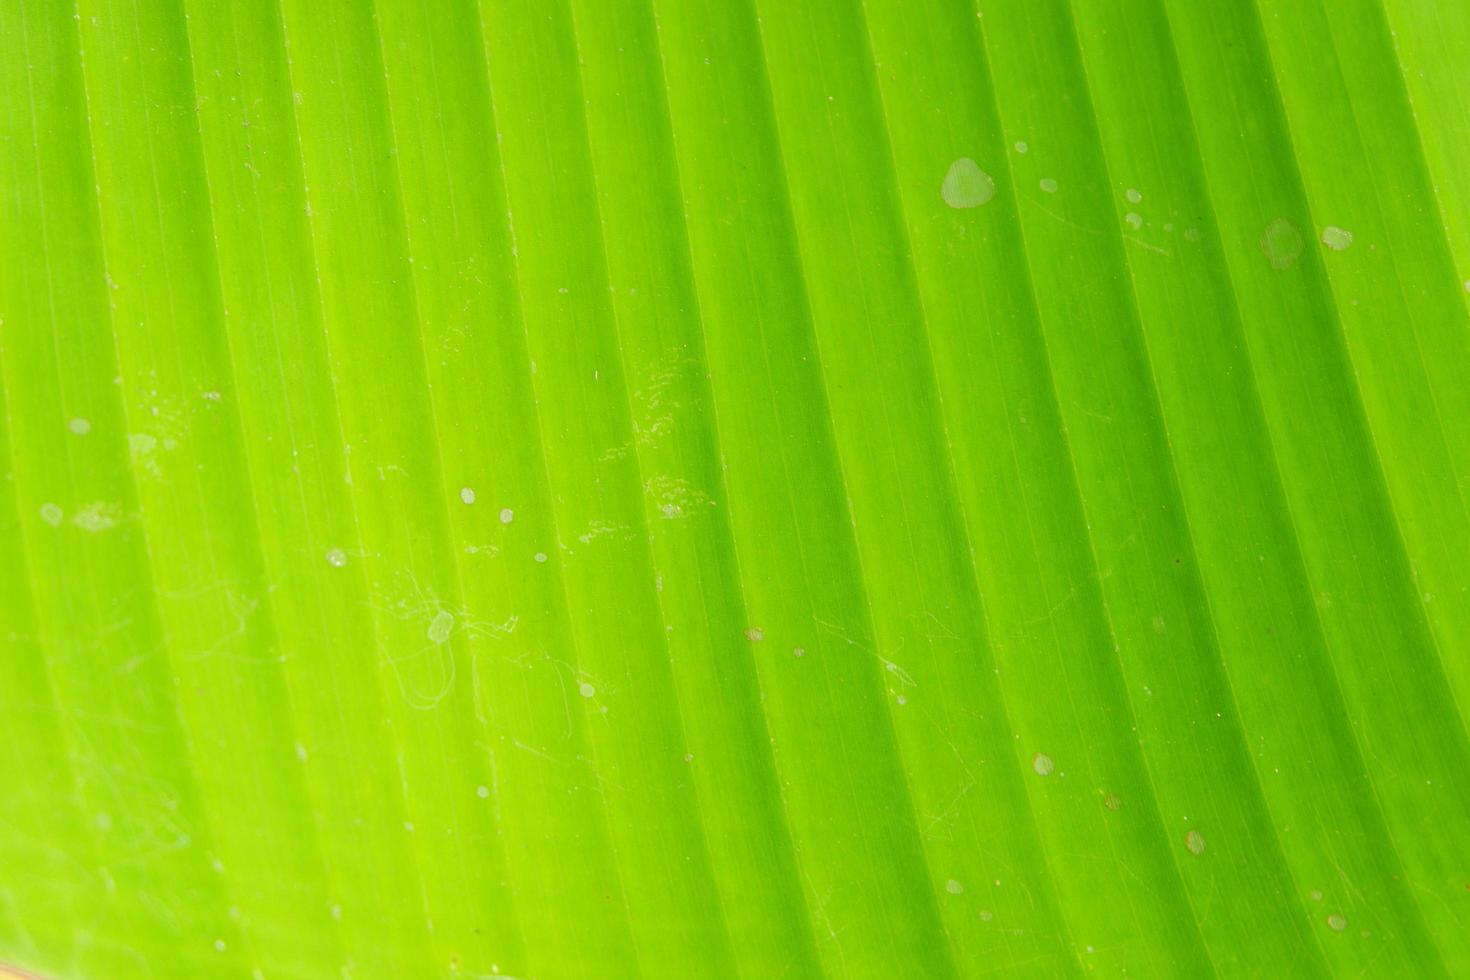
(966, 185)
(1336, 238)
(97, 516)
(441, 626)
(1282, 244)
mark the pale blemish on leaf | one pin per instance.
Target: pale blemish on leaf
(1042, 764)
(1134, 197)
(1336, 238)
(441, 626)
(755, 634)
(597, 530)
(954, 887)
(1134, 220)
(676, 497)
(586, 690)
(79, 427)
(1282, 244)
(1021, 146)
(1195, 842)
(507, 515)
(483, 792)
(1336, 922)
(467, 494)
(337, 558)
(966, 185)
(540, 557)
(97, 516)
(52, 514)
(1113, 801)
(1048, 185)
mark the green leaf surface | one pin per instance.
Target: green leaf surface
(640, 488)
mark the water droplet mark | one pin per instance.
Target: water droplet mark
(1133, 196)
(1021, 146)
(966, 185)
(1134, 220)
(1195, 842)
(1282, 244)
(507, 515)
(1042, 763)
(954, 887)
(483, 792)
(52, 514)
(1113, 801)
(79, 427)
(1048, 185)
(1335, 238)
(586, 690)
(755, 634)
(337, 558)
(467, 495)
(1336, 923)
